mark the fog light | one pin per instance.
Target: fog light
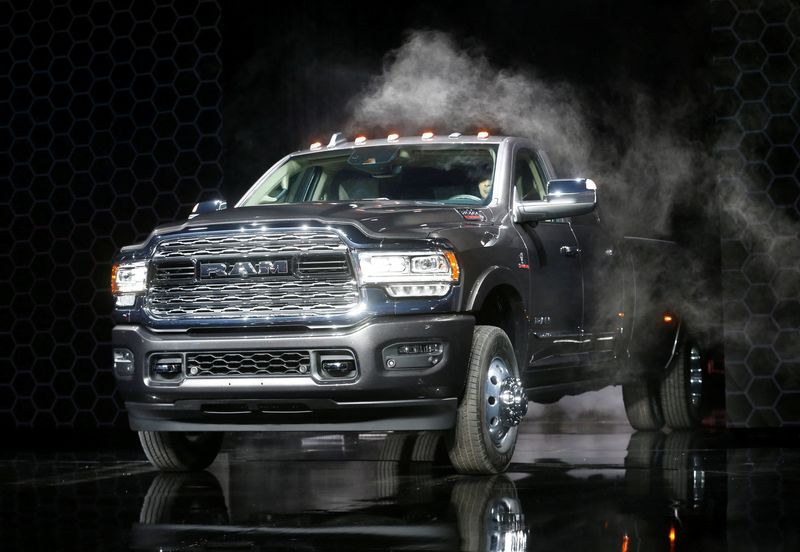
(338, 368)
(166, 368)
(123, 363)
(334, 367)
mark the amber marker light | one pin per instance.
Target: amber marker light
(625, 541)
(114, 286)
(667, 318)
(427, 135)
(315, 146)
(621, 314)
(483, 135)
(672, 538)
(393, 137)
(360, 140)
(455, 271)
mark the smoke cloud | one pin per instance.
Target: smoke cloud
(636, 154)
(603, 405)
(655, 172)
(650, 172)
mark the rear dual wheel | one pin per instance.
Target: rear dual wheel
(674, 400)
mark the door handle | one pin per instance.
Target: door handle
(569, 251)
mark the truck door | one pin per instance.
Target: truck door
(556, 290)
(602, 286)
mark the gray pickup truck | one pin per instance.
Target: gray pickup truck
(430, 283)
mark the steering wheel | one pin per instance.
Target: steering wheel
(465, 196)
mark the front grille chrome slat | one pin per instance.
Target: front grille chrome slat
(322, 285)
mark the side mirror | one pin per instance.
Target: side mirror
(208, 207)
(565, 198)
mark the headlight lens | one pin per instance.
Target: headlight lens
(425, 267)
(129, 278)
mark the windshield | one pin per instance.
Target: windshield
(451, 175)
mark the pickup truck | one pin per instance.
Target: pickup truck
(409, 284)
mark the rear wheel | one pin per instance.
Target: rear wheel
(173, 451)
(643, 405)
(682, 387)
(492, 407)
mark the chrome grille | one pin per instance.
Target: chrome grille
(248, 244)
(249, 297)
(321, 283)
(247, 363)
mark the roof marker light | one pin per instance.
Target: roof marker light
(427, 135)
(315, 146)
(393, 137)
(360, 140)
(590, 185)
(455, 135)
(483, 135)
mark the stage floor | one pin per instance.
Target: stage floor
(570, 487)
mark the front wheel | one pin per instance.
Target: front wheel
(173, 451)
(492, 407)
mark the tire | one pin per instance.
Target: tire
(177, 451)
(395, 452)
(682, 387)
(426, 446)
(483, 441)
(642, 405)
(397, 447)
(490, 516)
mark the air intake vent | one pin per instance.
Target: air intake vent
(247, 364)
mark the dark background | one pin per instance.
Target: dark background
(115, 117)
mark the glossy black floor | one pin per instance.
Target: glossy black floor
(569, 488)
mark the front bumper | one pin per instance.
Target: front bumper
(379, 398)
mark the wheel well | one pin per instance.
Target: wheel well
(504, 309)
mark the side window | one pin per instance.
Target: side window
(527, 177)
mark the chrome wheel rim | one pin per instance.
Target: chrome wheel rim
(695, 378)
(501, 434)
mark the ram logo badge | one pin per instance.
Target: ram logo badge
(243, 268)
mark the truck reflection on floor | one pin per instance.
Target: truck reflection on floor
(665, 498)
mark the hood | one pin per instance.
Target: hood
(378, 219)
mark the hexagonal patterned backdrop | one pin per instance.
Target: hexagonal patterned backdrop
(110, 123)
(757, 86)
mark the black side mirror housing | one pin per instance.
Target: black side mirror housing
(208, 207)
(565, 198)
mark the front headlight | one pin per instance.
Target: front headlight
(410, 274)
(127, 278)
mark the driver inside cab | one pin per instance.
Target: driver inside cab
(485, 188)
